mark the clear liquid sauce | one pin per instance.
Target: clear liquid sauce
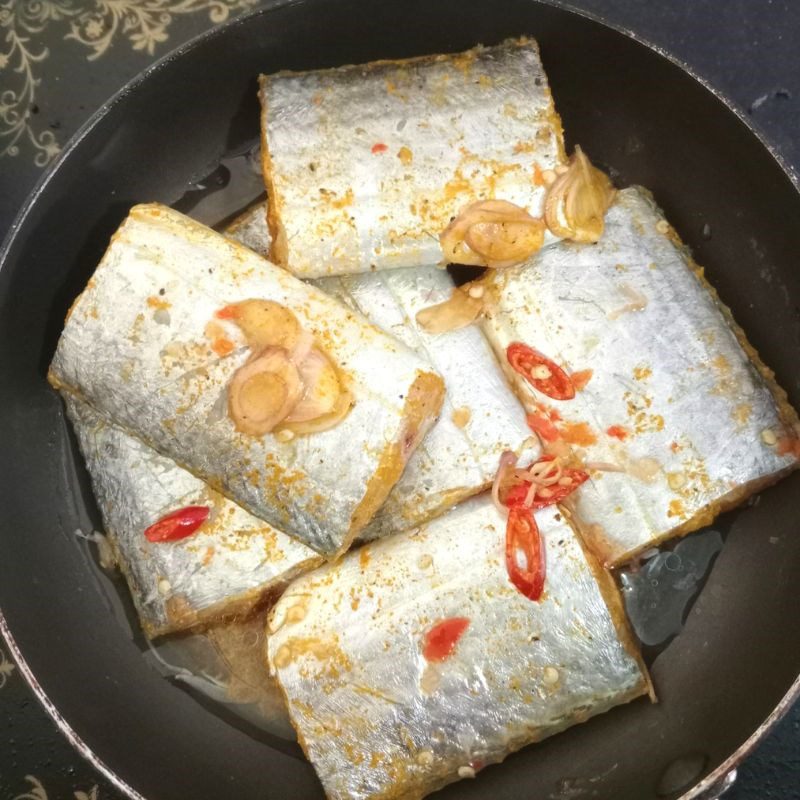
(224, 667)
(660, 590)
(226, 664)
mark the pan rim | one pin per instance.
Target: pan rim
(792, 695)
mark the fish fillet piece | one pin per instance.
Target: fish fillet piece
(138, 346)
(377, 720)
(224, 569)
(480, 416)
(677, 397)
(365, 165)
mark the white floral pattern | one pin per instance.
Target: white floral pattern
(6, 668)
(94, 24)
(38, 792)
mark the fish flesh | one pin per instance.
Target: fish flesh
(366, 165)
(224, 569)
(378, 718)
(481, 417)
(678, 401)
(143, 346)
(250, 229)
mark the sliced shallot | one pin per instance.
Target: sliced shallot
(603, 466)
(303, 345)
(321, 388)
(492, 233)
(263, 391)
(458, 311)
(264, 323)
(577, 201)
(508, 461)
(339, 411)
(288, 380)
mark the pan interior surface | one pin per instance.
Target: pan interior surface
(638, 115)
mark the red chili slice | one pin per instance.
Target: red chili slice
(177, 525)
(560, 491)
(525, 561)
(525, 360)
(515, 496)
(379, 147)
(548, 411)
(618, 432)
(542, 426)
(442, 638)
(227, 312)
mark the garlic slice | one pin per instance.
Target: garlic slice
(458, 311)
(492, 233)
(577, 201)
(263, 391)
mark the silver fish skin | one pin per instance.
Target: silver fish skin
(377, 720)
(677, 398)
(225, 568)
(480, 416)
(366, 165)
(137, 346)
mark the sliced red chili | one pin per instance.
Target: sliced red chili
(548, 411)
(542, 426)
(442, 638)
(516, 495)
(379, 147)
(177, 525)
(569, 481)
(542, 373)
(525, 560)
(618, 432)
(228, 312)
(547, 495)
(558, 491)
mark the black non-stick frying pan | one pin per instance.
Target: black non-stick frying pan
(638, 114)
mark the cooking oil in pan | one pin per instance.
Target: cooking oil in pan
(660, 589)
(226, 665)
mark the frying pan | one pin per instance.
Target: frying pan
(722, 682)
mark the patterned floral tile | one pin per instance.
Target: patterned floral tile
(33, 31)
